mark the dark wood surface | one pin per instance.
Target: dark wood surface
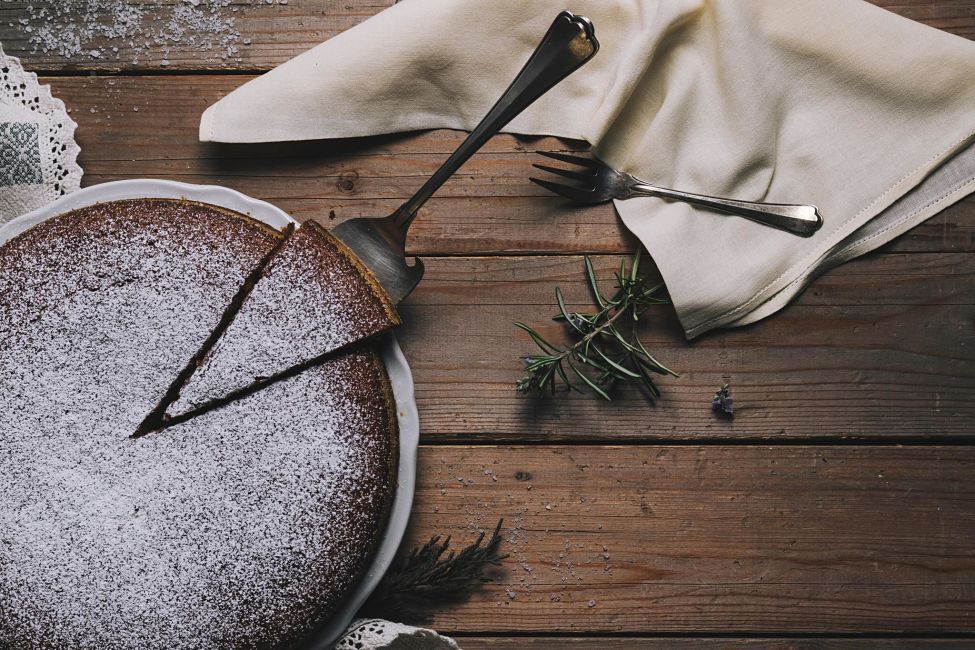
(727, 538)
(706, 643)
(836, 510)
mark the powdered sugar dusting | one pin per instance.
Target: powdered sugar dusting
(240, 528)
(128, 272)
(237, 529)
(108, 30)
(312, 300)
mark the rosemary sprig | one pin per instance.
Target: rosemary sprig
(607, 349)
(432, 574)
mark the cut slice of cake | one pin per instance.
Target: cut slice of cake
(164, 270)
(313, 298)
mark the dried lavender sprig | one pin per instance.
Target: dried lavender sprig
(432, 575)
(721, 403)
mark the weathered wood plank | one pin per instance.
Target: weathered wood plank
(692, 643)
(881, 347)
(728, 540)
(147, 127)
(248, 35)
(213, 35)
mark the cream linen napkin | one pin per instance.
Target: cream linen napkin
(866, 114)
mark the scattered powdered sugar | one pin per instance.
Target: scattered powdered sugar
(239, 528)
(165, 258)
(311, 300)
(107, 29)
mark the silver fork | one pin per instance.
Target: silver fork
(381, 243)
(599, 183)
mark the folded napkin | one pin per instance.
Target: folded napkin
(838, 103)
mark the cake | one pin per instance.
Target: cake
(152, 276)
(313, 299)
(245, 526)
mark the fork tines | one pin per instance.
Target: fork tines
(569, 158)
(587, 175)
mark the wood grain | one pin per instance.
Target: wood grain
(147, 127)
(261, 35)
(718, 539)
(665, 545)
(880, 347)
(671, 643)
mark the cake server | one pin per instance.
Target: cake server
(380, 243)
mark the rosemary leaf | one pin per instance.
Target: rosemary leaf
(662, 369)
(600, 355)
(591, 272)
(542, 343)
(623, 370)
(574, 322)
(599, 391)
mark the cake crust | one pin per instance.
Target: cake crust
(314, 298)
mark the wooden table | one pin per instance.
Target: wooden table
(838, 505)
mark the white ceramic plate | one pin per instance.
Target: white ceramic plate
(399, 372)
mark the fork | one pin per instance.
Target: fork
(600, 183)
(380, 243)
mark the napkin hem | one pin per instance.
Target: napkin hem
(208, 131)
(797, 271)
(952, 196)
(856, 248)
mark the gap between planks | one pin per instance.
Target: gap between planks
(694, 642)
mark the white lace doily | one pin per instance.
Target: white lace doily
(376, 634)
(38, 154)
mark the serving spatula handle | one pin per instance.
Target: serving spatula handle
(569, 43)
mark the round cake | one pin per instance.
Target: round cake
(243, 527)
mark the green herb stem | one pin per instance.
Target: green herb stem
(601, 355)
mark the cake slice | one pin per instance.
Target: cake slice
(118, 297)
(313, 298)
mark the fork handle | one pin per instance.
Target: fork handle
(569, 43)
(802, 220)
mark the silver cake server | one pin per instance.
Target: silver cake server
(380, 243)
